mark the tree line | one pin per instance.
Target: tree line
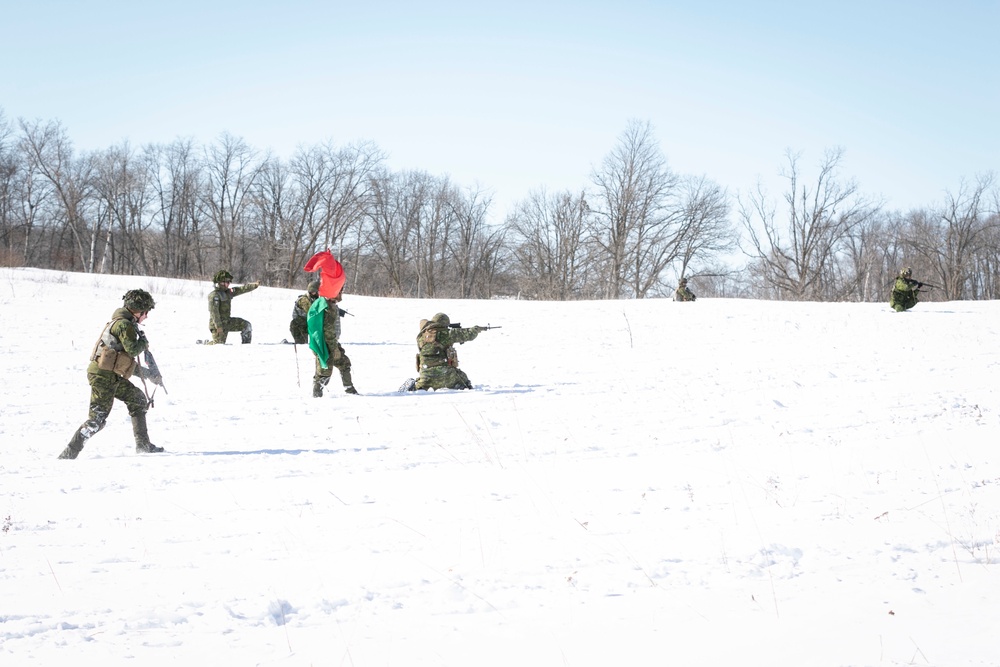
(184, 210)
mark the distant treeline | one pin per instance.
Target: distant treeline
(184, 210)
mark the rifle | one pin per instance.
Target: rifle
(456, 325)
(342, 312)
(154, 371)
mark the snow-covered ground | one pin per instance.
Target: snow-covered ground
(630, 483)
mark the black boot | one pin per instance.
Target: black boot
(349, 389)
(142, 443)
(317, 389)
(74, 446)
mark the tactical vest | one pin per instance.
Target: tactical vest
(110, 355)
(433, 352)
(297, 310)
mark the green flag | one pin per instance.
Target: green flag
(314, 323)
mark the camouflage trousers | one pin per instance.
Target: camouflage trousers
(339, 360)
(230, 325)
(901, 301)
(443, 377)
(105, 387)
(299, 331)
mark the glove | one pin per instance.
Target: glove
(255, 284)
(156, 379)
(919, 285)
(140, 335)
(478, 329)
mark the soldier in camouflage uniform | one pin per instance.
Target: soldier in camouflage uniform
(904, 291)
(112, 362)
(437, 360)
(683, 293)
(323, 321)
(220, 306)
(299, 328)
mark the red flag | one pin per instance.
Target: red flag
(331, 273)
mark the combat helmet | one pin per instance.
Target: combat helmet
(682, 282)
(138, 300)
(313, 287)
(906, 272)
(441, 320)
(222, 276)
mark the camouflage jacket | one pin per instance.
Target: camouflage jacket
(437, 344)
(904, 285)
(120, 343)
(220, 303)
(904, 292)
(684, 294)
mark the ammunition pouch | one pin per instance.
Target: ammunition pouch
(109, 359)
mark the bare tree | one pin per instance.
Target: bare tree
(122, 195)
(703, 221)
(331, 189)
(175, 176)
(431, 239)
(633, 224)
(231, 171)
(951, 242)
(985, 280)
(474, 246)
(396, 205)
(273, 204)
(50, 153)
(31, 195)
(547, 233)
(9, 243)
(870, 256)
(796, 254)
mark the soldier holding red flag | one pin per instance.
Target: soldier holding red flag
(323, 323)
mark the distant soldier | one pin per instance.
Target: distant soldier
(220, 305)
(437, 361)
(683, 293)
(904, 291)
(299, 327)
(112, 362)
(324, 340)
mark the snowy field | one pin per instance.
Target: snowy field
(631, 483)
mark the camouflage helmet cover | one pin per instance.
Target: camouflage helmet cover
(138, 300)
(683, 282)
(313, 287)
(441, 320)
(222, 276)
(906, 272)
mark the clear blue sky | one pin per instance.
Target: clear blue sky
(516, 95)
